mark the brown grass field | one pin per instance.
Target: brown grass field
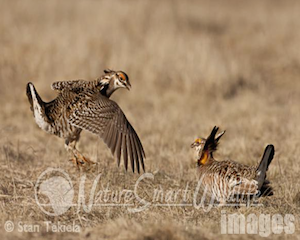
(192, 65)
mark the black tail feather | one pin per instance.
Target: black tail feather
(261, 171)
(267, 156)
(266, 189)
(212, 142)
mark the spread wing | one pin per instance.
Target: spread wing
(105, 118)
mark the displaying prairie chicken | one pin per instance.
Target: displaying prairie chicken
(86, 105)
(227, 180)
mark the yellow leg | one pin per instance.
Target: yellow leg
(77, 158)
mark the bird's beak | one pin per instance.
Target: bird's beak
(128, 86)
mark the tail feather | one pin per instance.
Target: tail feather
(266, 189)
(212, 141)
(264, 165)
(31, 92)
(38, 107)
(29, 96)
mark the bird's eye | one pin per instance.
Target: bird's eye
(121, 77)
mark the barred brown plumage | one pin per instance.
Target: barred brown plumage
(227, 180)
(85, 105)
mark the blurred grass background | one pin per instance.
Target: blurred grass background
(192, 65)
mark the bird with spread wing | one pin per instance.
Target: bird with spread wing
(85, 105)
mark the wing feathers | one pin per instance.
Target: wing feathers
(125, 156)
(135, 154)
(104, 117)
(114, 140)
(140, 145)
(139, 148)
(110, 135)
(119, 148)
(130, 151)
(105, 135)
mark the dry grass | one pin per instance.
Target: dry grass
(192, 64)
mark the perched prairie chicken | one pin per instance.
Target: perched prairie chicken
(86, 105)
(227, 180)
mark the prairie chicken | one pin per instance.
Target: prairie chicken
(227, 180)
(86, 105)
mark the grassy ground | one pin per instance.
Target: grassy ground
(192, 64)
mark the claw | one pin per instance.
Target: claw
(77, 158)
(80, 161)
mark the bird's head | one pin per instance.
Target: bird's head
(204, 147)
(118, 79)
(198, 145)
(112, 80)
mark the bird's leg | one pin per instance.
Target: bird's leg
(77, 157)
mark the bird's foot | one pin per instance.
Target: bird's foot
(81, 161)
